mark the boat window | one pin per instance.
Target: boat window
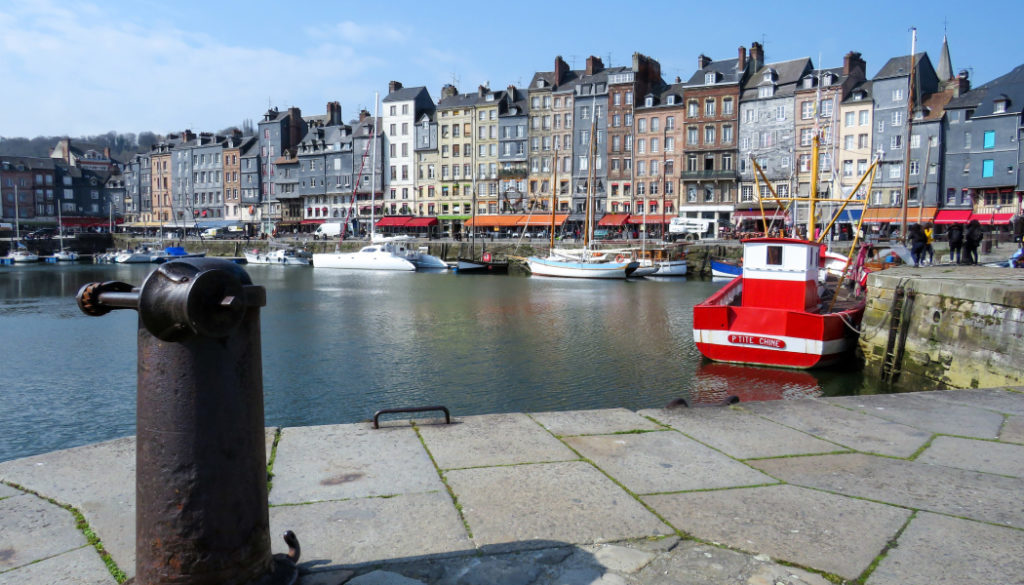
(774, 256)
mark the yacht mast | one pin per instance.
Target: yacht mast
(373, 165)
(906, 140)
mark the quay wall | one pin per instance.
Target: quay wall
(956, 327)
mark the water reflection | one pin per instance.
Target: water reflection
(338, 345)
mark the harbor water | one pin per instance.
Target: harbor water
(339, 345)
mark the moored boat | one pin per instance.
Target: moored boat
(723, 269)
(773, 314)
(282, 256)
(385, 256)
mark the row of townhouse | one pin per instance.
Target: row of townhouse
(643, 148)
(80, 183)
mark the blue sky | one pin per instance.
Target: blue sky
(79, 68)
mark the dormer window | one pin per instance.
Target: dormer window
(649, 101)
(766, 91)
(769, 75)
(671, 100)
(710, 78)
(808, 82)
(1000, 104)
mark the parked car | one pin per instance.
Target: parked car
(42, 234)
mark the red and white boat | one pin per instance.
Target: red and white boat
(775, 312)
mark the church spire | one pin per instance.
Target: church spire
(945, 68)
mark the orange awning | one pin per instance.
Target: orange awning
(650, 218)
(542, 220)
(393, 221)
(895, 214)
(614, 219)
(493, 221)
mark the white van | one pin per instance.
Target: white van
(691, 228)
(327, 230)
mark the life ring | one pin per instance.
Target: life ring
(486, 257)
(620, 258)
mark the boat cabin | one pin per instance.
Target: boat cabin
(781, 273)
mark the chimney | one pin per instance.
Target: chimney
(294, 127)
(363, 115)
(561, 70)
(334, 113)
(741, 61)
(962, 84)
(703, 61)
(448, 91)
(511, 93)
(594, 65)
(394, 86)
(482, 90)
(756, 56)
(678, 79)
(187, 136)
(852, 62)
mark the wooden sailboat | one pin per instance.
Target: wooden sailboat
(19, 252)
(485, 263)
(63, 255)
(588, 264)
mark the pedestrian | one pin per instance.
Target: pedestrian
(972, 239)
(917, 239)
(955, 237)
(929, 232)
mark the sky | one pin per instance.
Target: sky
(84, 68)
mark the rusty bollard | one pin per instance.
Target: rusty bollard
(201, 471)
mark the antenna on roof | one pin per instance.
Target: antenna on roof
(609, 64)
(455, 80)
(572, 61)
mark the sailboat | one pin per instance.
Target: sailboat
(776, 312)
(485, 264)
(588, 263)
(63, 255)
(378, 255)
(19, 252)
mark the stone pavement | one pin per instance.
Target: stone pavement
(922, 488)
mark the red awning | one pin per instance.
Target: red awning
(312, 221)
(393, 221)
(950, 216)
(614, 219)
(542, 220)
(650, 218)
(992, 218)
(422, 222)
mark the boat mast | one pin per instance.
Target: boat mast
(373, 166)
(815, 150)
(554, 202)
(906, 141)
(588, 206)
(17, 223)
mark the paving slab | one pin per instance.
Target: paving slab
(98, 480)
(829, 532)
(568, 502)
(1013, 430)
(7, 491)
(81, 566)
(740, 434)
(335, 535)
(1005, 400)
(975, 455)
(845, 428)
(32, 529)
(664, 461)
(594, 422)
(494, 439)
(336, 462)
(939, 550)
(693, 563)
(969, 494)
(923, 410)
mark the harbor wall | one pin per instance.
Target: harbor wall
(944, 327)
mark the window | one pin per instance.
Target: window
(915, 167)
(709, 135)
(897, 118)
(990, 139)
(895, 171)
(727, 106)
(727, 162)
(862, 141)
(849, 119)
(897, 95)
(780, 113)
(692, 109)
(987, 168)
(746, 193)
(862, 117)
(806, 136)
(655, 125)
(848, 142)
(806, 110)
(691, 136)
(709, 107)
(765, 91)
(826, 108)
(915, 141)
(774, 256)
(847, 168)
(726, 134)
(881, 126)
(641, 125)
(896, 142)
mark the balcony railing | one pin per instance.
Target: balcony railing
(708, 175)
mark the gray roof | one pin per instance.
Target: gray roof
(983, 98)
(725, 68)
(787, 75)
(865, 87)
(899, 66)
(405, 94)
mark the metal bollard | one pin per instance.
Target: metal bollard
(201, 471)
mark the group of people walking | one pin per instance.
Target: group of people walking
(963, 242)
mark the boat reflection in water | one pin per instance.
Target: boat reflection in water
(714, 382)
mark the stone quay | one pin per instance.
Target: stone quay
(896, 489)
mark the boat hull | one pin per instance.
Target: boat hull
(726, 332)
(276, 258)
(721, 269)
(362, 261)
(670, 268)
(571, 269)
(470, 266)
